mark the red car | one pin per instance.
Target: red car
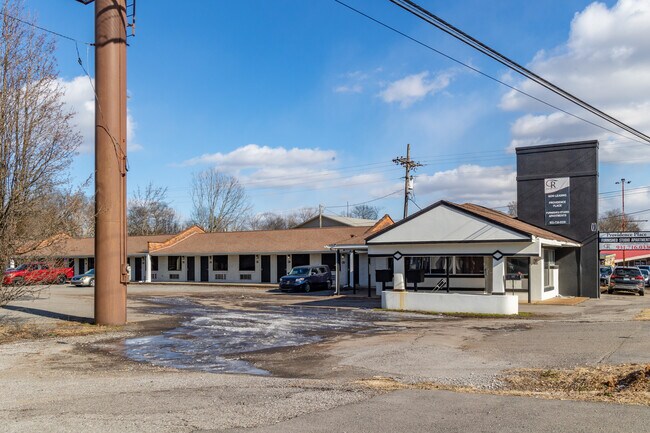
(32, 273)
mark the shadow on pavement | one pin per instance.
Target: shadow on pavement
(50, 314)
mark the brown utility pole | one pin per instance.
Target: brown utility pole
(408, 165)
(111, 272)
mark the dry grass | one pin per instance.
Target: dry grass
(623, 384)
(10, 332)
(643, 315)
(571, 300)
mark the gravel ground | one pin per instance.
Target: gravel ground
(78, 383)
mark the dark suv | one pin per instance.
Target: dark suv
(626, 278)
(307, 278)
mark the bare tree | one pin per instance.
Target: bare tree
(512, 208)
(219, 202)
(612, 221)
(276, 221)
(37, 141)
(150, 214)
(365, 211)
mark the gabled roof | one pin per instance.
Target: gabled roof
(259, 241)
(382, 223)
(340, 220)
(499, 224)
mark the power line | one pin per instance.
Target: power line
(364, 202)
(46, 30)
(478, 71)
(448, 28)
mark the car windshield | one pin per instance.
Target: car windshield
(299, 271)
(21, 268)
(627, 272)
(90, 272)
(606, 271)
(645, 272)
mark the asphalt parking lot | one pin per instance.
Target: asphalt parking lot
(205, 358)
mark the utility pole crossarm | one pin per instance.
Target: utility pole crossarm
(408, 165)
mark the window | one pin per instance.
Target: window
(517, 265)
(417, 263)
(328, 259)
(220, 263)
(247, 262)
(469, 265)
(219, 276)
(245, 277)
(438, 265)
(173, 276)
(173, 263)
(154, 263)
(299, 260)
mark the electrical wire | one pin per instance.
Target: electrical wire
(448, 28)
(46, 30)
(548, 104)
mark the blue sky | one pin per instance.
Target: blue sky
(308, 102)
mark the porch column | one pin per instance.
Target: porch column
(351, 269)
(147, 268)
(398, 275)
(499, 276)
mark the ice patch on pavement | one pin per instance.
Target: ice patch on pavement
(210, 338)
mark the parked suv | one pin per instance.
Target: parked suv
(626, 278)
(605, 272)
(307, 278)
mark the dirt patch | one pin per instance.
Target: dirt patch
(623, 384)
(643, 315)
(11, 332)
(562, 301)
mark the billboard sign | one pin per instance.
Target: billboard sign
(624, 241)
(557, 208)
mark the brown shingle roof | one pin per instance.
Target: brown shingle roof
(381, 224)
(508, 221)
(85, 247)
(261, 241)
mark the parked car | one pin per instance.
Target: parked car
(646, 276)
(33, 273)
(627, 278)
(605, 272)
(307, 278)
(87, 279)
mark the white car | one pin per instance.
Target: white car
(87, 279)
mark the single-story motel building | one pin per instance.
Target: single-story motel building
(446, 257)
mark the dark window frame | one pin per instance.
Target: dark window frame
(218, 262)
(176, 260)
(245, 262)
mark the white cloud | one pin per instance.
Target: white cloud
(354, 88)
(265, 157)
(490, 186)
(80, 98)
(413, 88)
(606, 62)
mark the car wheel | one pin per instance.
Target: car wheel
(641, 293)
(92, 282)
(610, 291)
(18, 282)
(61, 279)
(307, 288)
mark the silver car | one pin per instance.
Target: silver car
(87, 279)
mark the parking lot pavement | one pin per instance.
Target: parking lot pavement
(444, 411)
(60, 384)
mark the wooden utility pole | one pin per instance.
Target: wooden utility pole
(111, 269)
(623, 225)
(408, 165)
